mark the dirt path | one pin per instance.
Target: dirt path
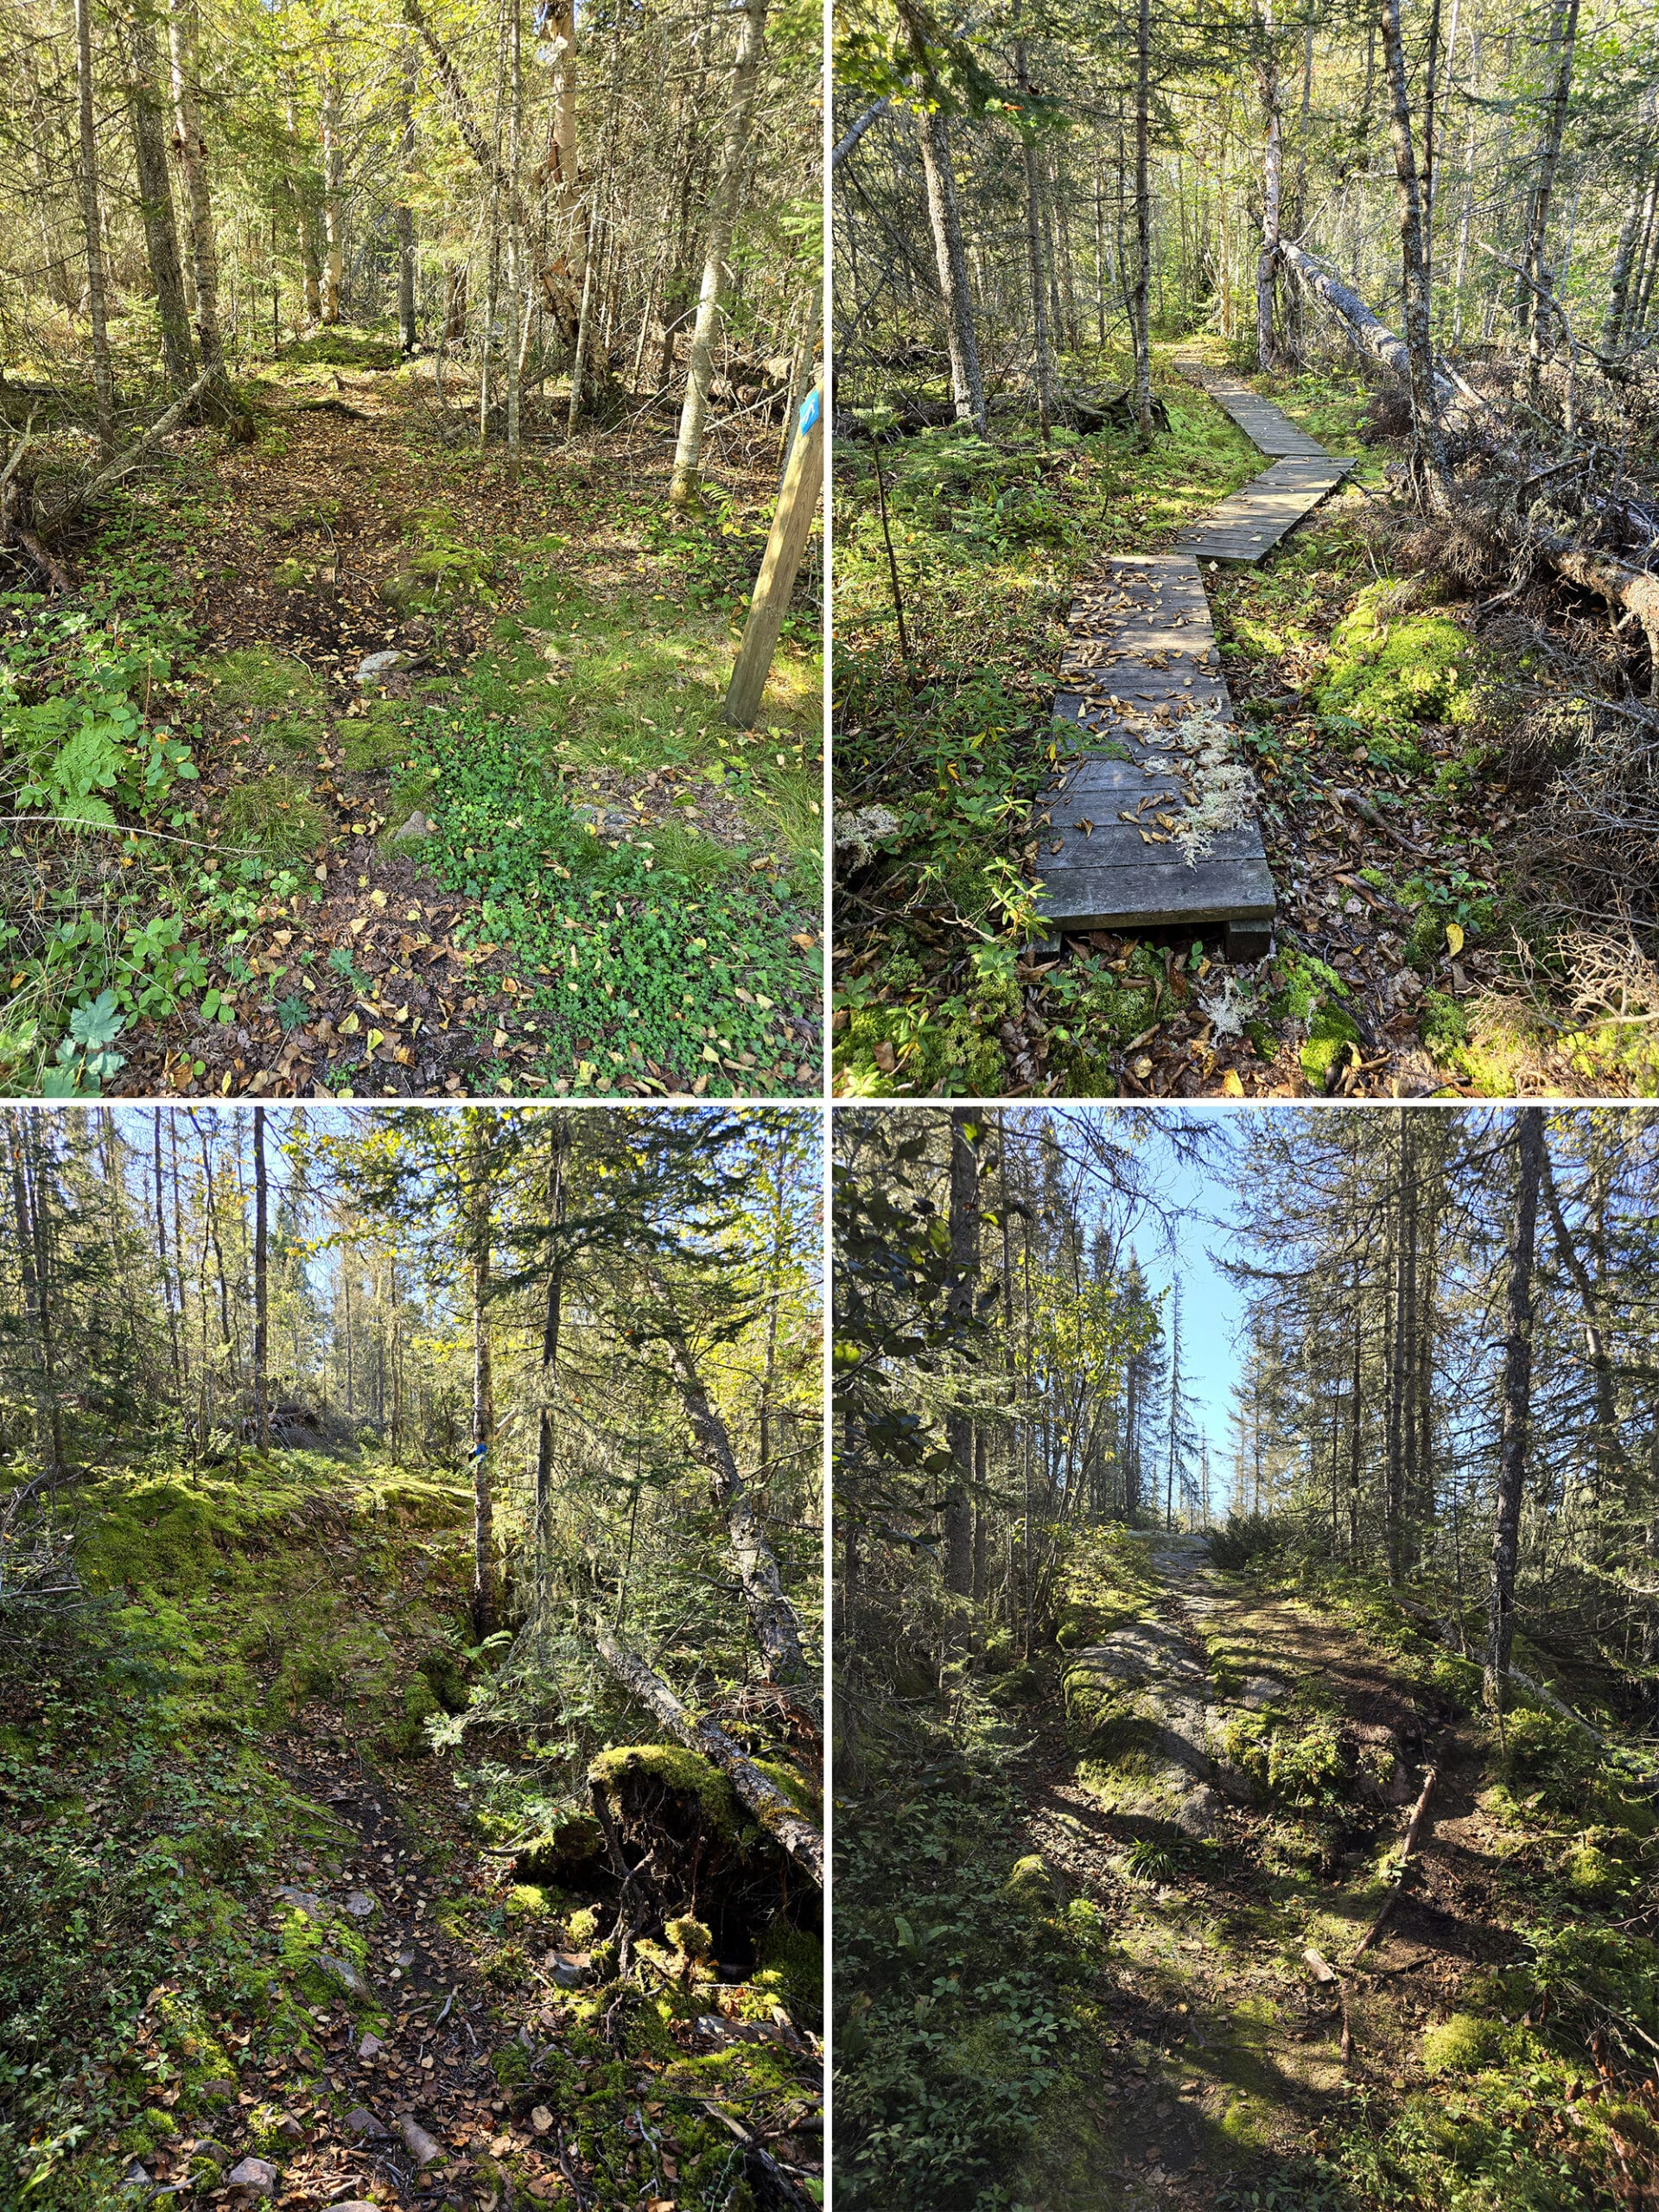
(1219, 2046)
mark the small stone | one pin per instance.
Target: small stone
(255, 2177)
(422, 2147)
(289, 2129)
(378, 666)
(210, 2147)
(305, 1901)
(359, 1904)
(418, 825)
(406, 1956)
(345, 1974)
(567, 1969)
(135, 2177)
(1260, 1690)
(541, 2119)
(363, 2122)
(371, 2046)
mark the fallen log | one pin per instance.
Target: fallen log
(771, 1809)
(1369, 332)
(776, 1628)
(56, 574)
(135, 451)
(1406, 1850)
(1615, 580)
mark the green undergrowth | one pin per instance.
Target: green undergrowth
(628, 958)
(964, 1982)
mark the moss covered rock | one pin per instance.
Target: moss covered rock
(1029, 1886)
(1388, 669)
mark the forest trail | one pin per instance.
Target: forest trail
(1219, 2045)
(1149, 828)
(1245, 528)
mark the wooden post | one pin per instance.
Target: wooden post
(775, 585)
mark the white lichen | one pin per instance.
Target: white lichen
(858, 834)
(1220, 789)
(1229, 1008)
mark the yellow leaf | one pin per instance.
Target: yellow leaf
(375, 1036)
(499, 1040)
(402, 1014)
(1454, 939)
(1230, 1085)
(349, 1027)
(377, 897)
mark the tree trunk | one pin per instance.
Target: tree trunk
(558, 1162)
(1428, 443)
(485, 1603)
(945, 218)
(1267, 265)
(1042, 371)
(1630, 237)
(771, 1809)
(192, 149)
(964, 1279)
(515, 229)
(145, 120)
(408, 334)
(1140, 300)
(334, 254)
(261, 1287)
(723, 214)
(1517, 1419)
(1533, 257)
(91, 217)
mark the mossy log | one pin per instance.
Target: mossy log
(763, 1799)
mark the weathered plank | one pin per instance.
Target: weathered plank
(1140, 663)
(1253, 521)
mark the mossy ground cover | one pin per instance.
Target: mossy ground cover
(230, 1853)
(1499, 2056)
(557, 718)
(1379, 723)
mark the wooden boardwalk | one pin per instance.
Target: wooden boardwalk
(1120, 847)
(1252, 522)
(1142, 665)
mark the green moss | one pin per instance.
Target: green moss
(257, 676)
(526, 1901)
(441, 1672)
(1297, 1760)
(1461, 2044)
(689, 1937)
(1029, 1886)
(1387, 670)
(792, 1960)
(1325, 1052)
(369, 747)
(670, 1767)
(802, 1794)
(1022, 1687)
(273, 814)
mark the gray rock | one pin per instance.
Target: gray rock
(541, 2119)
(378, 666)
(1262, 1690)
(254, 2177)
(406, 1956)
(418, 825)
(611, 820)
(135, 2177)
(355, 2204)
(345, 1974)
(208, 2146)
(422, 2147)
(567, 1969)
(1200, 1811)
(363, 2122)
(305, 1901)
(289, 2129)
(359, 1904)
(371, 2046)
